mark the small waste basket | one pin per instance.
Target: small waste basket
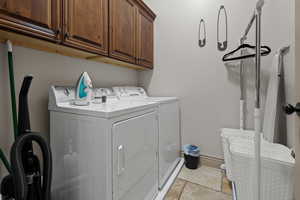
(191, 156)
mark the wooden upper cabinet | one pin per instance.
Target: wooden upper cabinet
(145, 39)
(123, 30)
(38, 18)
(131, 32)
(119, 29)
(86, 25)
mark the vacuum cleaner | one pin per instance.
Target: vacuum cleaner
(27, 181)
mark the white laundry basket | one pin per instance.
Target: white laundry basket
(277, 170)
(226, 134)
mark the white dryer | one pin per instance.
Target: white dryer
(169, 128)
(103, 151)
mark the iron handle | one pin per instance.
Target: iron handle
(290, 109)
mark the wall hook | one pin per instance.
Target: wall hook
(222, 46)
(202, 42)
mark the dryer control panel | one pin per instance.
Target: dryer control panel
(130, 92)
(100, 92)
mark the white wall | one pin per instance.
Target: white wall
(208, 90)
(49, 69)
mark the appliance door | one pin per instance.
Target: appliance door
(80, 157)
(169, 140)
(135, 162)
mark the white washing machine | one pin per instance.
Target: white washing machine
(103, 151)
(169, 128)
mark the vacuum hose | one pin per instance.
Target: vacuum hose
(25, 181)
(22, 181)
(31, 162)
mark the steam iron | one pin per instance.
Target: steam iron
(84, 88)
(26, 180)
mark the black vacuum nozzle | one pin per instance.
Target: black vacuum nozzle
(24, 121)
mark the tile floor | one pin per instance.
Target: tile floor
(205, 183)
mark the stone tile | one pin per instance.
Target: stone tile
(205, 176)
(176, 190)
(211, 162)
(226, 186)
(196, 192)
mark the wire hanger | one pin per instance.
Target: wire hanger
(265, 50)
(222, 46)
(202, 42)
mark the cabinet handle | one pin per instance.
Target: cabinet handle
(57, 32)
(67, 35)
(142, 60)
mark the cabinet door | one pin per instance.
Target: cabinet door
(86, 25)
(123, 30)
(135, 164)
(144, 39)
(39, 18)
